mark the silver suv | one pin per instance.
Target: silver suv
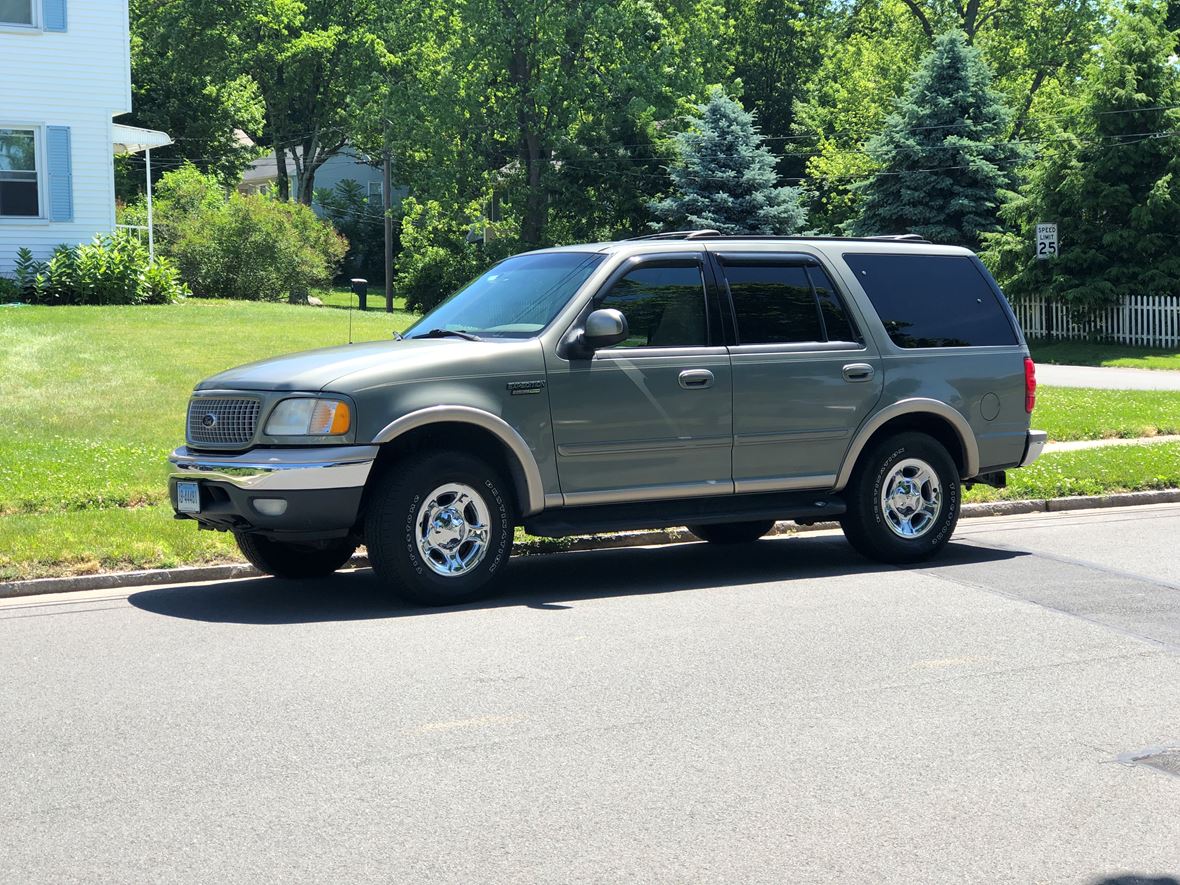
(695, 379)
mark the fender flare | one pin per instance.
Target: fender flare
(915, 406)
(533, 500)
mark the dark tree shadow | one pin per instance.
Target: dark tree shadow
(549, 581)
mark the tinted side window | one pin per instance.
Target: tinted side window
(664, 306)
(933, 300)
(774, 304)
(837, 324)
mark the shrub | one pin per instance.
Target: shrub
(437, 258)
(9, 290)
(112, 269)
(240, 245)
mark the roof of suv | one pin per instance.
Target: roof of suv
(685, 240)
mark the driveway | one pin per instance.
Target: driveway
(1109, 378)
(778, 712)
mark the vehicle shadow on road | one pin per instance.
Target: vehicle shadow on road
(549, 581)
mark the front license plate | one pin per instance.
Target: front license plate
(188, 497)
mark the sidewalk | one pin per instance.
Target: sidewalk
(1107, 378)
(1103, 443)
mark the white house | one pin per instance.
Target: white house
(65, 73)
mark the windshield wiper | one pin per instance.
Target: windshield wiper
(447, 333)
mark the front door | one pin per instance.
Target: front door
(649, 418)
(804, 377)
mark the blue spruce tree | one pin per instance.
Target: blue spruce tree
(944, 165)
(725, 178)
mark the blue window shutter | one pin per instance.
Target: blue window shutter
(61, 176)
(53, 14)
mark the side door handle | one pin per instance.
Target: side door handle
(696, 379)
(854, 372)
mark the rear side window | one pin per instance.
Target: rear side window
(776, 303)
(933, 300)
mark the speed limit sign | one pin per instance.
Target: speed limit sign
(1046, 240)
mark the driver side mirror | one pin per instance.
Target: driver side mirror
(604, 328)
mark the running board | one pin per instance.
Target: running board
(560, 522)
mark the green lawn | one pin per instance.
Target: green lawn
(1070, 413)
(1081, 353)
(94, 399)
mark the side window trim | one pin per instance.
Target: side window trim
(660, 259)
(810, 264)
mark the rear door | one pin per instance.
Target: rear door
(804, 375)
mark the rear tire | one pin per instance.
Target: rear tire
(439, 528)
(289, 559)
(732, 532)
(903, 499)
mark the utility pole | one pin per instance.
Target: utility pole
(387, 203)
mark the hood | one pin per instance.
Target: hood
(317, 369)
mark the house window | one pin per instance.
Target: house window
(375, 188)
(16, 12)
(18, 173)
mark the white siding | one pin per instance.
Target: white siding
(78, 78)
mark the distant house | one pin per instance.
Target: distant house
(263, 174)
(65, 66)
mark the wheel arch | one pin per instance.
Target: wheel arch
(936, 419)
(473, 430)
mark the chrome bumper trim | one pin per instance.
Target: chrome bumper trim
(279, 470)
(1034, 446)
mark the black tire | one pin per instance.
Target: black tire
(288, 559)
(393, 535)
(866, 523)
(732, 532)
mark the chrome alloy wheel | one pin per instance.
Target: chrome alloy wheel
(911, 498)
(453, 529)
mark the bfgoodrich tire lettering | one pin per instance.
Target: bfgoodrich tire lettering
(438, 528)
(903, 499)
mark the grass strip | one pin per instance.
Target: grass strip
(1083, 353)
(1075, 413)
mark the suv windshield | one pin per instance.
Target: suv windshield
(516, 298)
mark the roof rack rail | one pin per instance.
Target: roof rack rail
(679, 235)
(901, 238)
(713, 234)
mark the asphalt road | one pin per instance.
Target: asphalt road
(784, 712)
(1110, 378)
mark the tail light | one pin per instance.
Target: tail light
(1030, 385)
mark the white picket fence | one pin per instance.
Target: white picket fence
(1142, 320)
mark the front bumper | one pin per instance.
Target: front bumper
(1033, 446)
(321, 488)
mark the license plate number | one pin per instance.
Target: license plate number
(188, 497)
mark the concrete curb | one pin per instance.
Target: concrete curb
(229, 571)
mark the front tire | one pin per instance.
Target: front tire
(732, 532)
(903, 500)
(439, 528)
(289, 559)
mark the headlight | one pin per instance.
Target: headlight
(309, 417)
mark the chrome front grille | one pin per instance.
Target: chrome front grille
(215, 421)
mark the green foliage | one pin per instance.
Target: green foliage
(9, 290)
(112, 269)
(438, 257)
(1112, 184)
(726, 179)
(360, 220)
(239, 245)
(942, 162)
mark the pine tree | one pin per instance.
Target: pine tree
(1113, 184)
(726, 179)
(943, 162)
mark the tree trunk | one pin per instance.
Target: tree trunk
(1026, 106)
(298, 295)
(283, 181)
(536, 203)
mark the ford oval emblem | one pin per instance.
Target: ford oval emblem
(209, 420)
